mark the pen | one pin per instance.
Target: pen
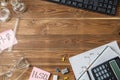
(92, 63)
(89, 75)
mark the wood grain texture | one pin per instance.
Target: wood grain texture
(64, 26)
(48, 31)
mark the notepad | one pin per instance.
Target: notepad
(7, 39)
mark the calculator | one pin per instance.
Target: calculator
(109, 70)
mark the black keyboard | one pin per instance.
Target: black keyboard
(102, 6)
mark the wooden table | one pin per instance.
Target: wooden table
(48, 31)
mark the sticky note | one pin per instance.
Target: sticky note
(7, 39)
(39, 74)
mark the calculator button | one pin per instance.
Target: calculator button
(100, 68)
(113, 78)
(106, 65)
(110, 73)
(105, 70)
(103, 66)
(104, 76)
(100, 73)
(97, 69)
(94, 70)
(97, 75)
(108, 69)
(98, 78)
(107, 75)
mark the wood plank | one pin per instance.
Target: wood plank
(63, 26)
(63, 42)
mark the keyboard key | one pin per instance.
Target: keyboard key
(74, 3)
(100, 4)
(111, 2)
(113, 10)
(80, 5)
(109, 6)
(63, 1)
(106, 1)
(56, 0)
(94, 8)
(90, 7)
(85, 6)
(95, 4)
(101, 0)
(91, 2)
(79, 0)
(68, 2)
(99, 9)
(115, 2)
(86, 1)
(108, 11)
(105, 5)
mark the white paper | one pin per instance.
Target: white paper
(82, 61)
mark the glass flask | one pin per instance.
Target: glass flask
(18, 6)
(4, 14)
(4, 3)
(4, 11)
(12, 65)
